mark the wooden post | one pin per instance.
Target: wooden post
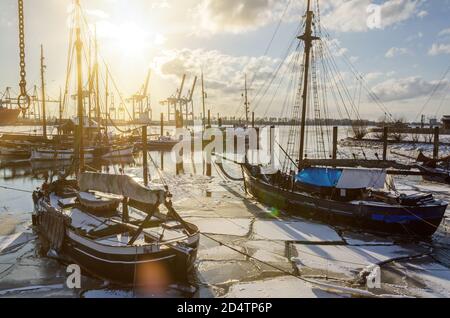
(162, 124)
(179, 124)
(271, 146)
(44, 115)
(145, 154)
(436, 143)
(125, 213)
(209, 119)
(385, 142)
(335, 142)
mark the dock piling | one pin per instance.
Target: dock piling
(385, 142)
(436, 143)
(145, 154)
(335, 142)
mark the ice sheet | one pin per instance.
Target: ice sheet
(8, 243)
(222, 226)
(347, 261)
(281, 287)
(296, 231)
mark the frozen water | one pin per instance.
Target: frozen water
(8, 243)
(280, 287)
(296, 231)
(222, 226)
(347, 261)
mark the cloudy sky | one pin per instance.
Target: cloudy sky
(403, 53)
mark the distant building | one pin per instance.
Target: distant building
(446, 122)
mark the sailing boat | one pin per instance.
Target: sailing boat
(437, 170)
(112, 226)
(349, 197)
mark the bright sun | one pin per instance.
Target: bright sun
(131, 40)
(128, 38)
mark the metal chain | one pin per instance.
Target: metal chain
(23, 101)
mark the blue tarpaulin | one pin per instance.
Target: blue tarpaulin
(322, 177)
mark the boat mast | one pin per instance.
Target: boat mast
(308, 38)
(44, 116)
(79, 48)
(106, 99)
(203, 103)
(97, 102)
(246, 104)
(60, 111)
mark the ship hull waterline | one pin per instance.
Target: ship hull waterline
(421, 221)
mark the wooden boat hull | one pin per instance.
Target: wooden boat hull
(421, 221)
(150, 265)
(52, 155)
(119, 152)
(161, 145)
(128, 266)
(8, 116)
(436, 175)
(14, 152)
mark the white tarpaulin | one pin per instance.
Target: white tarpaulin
(362, 179)
(120, 185)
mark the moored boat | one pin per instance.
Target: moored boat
(355, 204)
(44, 154)
(8, 116)
(137, 245)
(435, 170)
(328, 191)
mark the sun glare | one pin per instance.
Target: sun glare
(131, 39)
(128, 38)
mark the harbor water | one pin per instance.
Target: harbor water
(247, 249)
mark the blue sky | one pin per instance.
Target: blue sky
(402, 60)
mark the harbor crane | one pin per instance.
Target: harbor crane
(183, 106)
(141, 102)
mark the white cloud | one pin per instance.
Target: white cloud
(444, 32)
(397, 51)
(236, 15)
(224, 73)
(439, 48)
(405, 88)
(352, 16)
(422, 14)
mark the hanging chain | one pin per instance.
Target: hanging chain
(23, 100)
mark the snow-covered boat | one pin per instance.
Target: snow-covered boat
(137, 244)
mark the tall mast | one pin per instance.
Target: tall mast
(60, 110)
(79, 48)
(203, 103)
(246, 102)
(90, 88)
(308, 38)
(44, 116)
(97, 102)
(106, 98)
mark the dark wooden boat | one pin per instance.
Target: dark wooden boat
(436, 170)
(326, 190)
(8, 116)
(414, 215)
(114, 245)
